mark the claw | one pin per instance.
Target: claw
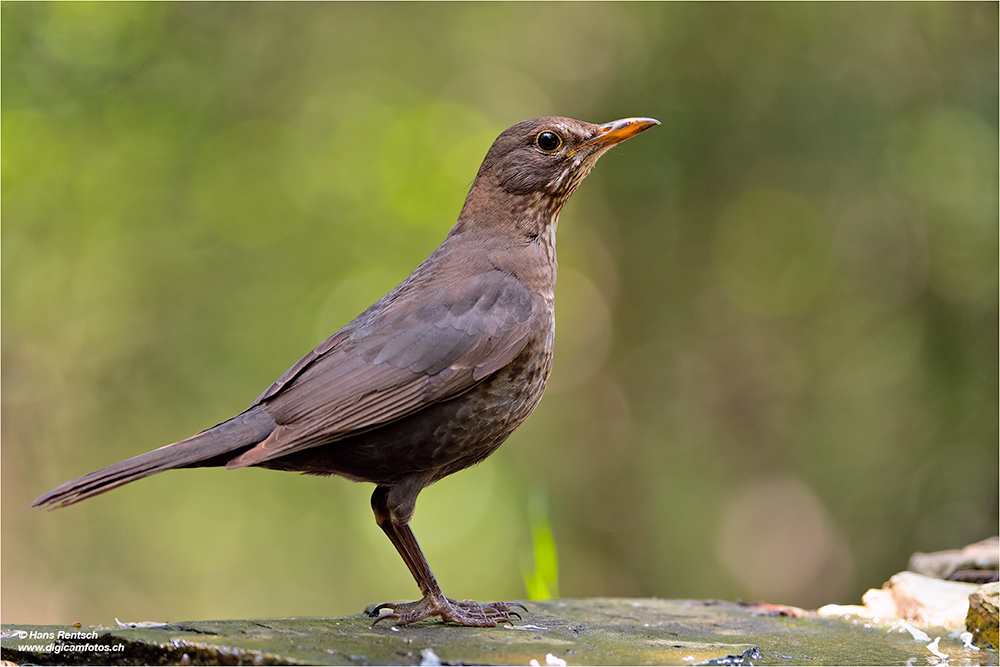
(374, 611)
(382, 617)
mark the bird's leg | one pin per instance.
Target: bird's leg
(433, 603)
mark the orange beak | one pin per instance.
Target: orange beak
(618, 131)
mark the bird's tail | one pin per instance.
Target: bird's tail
(240, 432)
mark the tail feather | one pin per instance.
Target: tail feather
(240, 432)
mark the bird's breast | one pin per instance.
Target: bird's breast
(496, 407)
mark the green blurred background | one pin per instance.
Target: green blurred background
(776, 368)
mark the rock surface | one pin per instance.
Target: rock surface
(580, 632)
(983, 619)
(977, 563)
(923, 601)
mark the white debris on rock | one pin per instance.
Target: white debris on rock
(917, 634)
(428, 658)
(140, 624)
(966, 638)
(933, 648)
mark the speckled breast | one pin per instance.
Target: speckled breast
(444, 437)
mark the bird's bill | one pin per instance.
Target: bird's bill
(618, 131)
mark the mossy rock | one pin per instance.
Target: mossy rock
(982, 620)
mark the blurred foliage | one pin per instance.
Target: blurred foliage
(776, 369)
(541, 579)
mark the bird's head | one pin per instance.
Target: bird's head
(536, 165)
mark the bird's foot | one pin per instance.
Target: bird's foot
(465, 612)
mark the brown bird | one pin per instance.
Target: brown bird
(432, 377)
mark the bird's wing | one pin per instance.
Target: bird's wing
(400, 358)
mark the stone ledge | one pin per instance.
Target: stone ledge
(594, 631)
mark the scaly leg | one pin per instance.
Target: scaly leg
(433, 603)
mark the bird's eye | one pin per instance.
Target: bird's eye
(548, 141)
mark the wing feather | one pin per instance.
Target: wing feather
(394, 360)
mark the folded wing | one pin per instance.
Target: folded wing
(393, 361)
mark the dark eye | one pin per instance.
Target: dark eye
(548, 141)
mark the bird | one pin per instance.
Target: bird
(430, 379)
